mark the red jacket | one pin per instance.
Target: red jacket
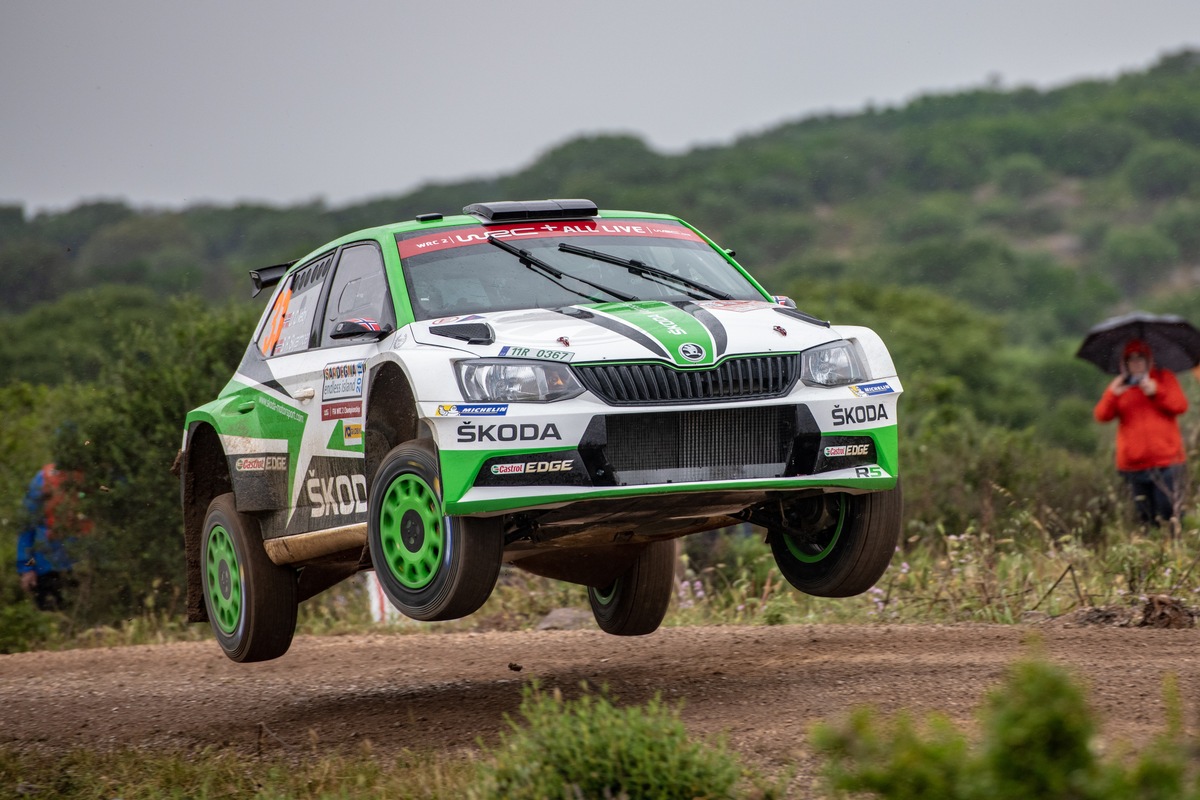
(1147, 428)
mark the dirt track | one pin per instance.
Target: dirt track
(763, 686)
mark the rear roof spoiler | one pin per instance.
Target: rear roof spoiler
(265, 277)
(522, 210)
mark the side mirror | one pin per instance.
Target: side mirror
(784, 301)
(359, 326)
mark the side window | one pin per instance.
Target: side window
(289, 326)
(359, 291)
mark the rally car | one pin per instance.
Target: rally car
(534, 383)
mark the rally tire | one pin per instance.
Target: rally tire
(848, 556)
(251, 600)
(430, 566)
(636, 602)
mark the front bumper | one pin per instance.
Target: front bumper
(523, 456)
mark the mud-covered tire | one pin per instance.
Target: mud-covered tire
(850, 554)
(251, 600)
(636, 602)
(430, 566)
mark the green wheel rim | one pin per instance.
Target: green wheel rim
(224, 580)
(811, 558)
(412, 531)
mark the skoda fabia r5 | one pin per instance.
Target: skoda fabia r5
(541, 384)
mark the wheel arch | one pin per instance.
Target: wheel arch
(392, 416)
(204, 476)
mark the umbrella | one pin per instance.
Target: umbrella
(1174, 341)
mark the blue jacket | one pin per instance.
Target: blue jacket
(36, 550)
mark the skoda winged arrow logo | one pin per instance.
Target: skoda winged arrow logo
(692, 352)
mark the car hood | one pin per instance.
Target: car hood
(687, 334)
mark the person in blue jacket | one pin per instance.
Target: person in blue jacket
(42, 558)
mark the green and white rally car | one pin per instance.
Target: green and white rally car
(542, 384)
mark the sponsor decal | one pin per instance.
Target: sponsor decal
(352, 434)
(508, 432)
(575, 228)
(271, 405)
(869, 389)
(484, 410)
(740, 306)
(692, 352)
(400, 339)
(857, 415)
(337, 496)
(261, 464)
(533, 467)
(346, 410)
(343, 380)
(533, 352)
(462, 318)
(844, 450)
(869, 472)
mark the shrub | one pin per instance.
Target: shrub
(591, 748)
(1180, 222)
(1021, 175)
(1163, 169)
(1137, 257)
(1037, 733)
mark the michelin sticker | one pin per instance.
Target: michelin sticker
(869, 389)
(481, 410)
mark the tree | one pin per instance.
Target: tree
(31, 272)
(1137, 257)
(123, 433)
(1163, 169)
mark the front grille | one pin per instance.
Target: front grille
(716, 444)
(751, 378)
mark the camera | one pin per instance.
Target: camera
(1131, 380)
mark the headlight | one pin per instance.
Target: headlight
(509, 381)
(833, 364)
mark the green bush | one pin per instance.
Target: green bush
(1021, 175)
(1163, 169)
(1137, 257)
(123, 434)
(1037, 742)
(1180, 222)
(590, 748)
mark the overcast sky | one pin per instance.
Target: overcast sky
(169, 104)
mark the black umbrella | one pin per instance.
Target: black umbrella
(1173, 340)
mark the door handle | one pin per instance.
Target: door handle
(305, 394)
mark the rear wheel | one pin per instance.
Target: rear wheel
(636, 602)
(844, 544)
(430, 566)
(251, 600)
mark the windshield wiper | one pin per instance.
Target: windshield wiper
(644, 270)
(556, 275)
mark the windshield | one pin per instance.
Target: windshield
(457, 271)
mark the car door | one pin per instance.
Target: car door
(319, 363)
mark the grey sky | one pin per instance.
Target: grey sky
(169, 104)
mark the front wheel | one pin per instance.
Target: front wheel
(251, 600)
(430, 566)
(636, 602)
(844, 545)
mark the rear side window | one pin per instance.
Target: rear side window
(289, 327)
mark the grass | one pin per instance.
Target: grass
(1006, 574)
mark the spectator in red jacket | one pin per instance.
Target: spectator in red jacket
(1146, 401)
